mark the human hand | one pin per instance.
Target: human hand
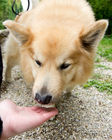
(19, 119)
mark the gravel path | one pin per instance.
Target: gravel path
(85, 115)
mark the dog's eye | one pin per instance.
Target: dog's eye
(64, 66)
(38, 62)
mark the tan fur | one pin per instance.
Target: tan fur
(55, 32)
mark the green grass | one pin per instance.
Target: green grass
(101, 85)
(105, 48)
(102, 66)
(101, 82)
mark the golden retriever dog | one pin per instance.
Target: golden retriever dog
(55, 45)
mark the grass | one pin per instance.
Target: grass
(102, 86)
(105, 48)
(102, 66)
(103, 83)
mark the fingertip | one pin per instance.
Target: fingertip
(55, 111)
(51, 112)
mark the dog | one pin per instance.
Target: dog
(55, 45)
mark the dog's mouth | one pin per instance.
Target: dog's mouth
(50, 105)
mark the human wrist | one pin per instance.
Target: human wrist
(1, 127)
(2, 137)
(1, 130)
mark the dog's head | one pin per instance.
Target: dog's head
(56, 58)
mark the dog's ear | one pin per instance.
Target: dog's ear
(19, 31)
(92, 37)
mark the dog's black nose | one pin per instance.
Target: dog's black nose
(44, 99)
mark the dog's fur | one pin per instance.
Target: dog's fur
(56, 32)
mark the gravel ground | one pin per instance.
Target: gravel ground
(85, 115)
